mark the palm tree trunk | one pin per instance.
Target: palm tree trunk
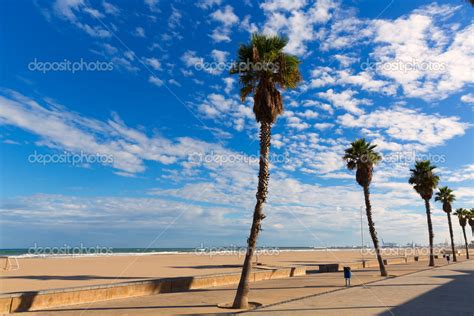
(373, 233)
(452, 237)
(430, 231)
(472, 234)
(465, 242)
(241, 297)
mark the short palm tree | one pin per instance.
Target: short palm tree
(362, 157)
(263, 67)
(424, 181)
(445, 195)
(463, 216)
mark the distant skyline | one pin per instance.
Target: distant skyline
(121, 126)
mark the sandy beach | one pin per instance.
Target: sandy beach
(313, 294)
(51, 273)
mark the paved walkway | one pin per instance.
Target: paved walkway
(453, 283)
(447, 290)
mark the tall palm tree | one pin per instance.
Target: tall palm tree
(424, 181)
(263, 67)
(463, 216)
(362, 157)
(445, 195)
(471, 223)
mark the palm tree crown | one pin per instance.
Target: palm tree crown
(263, 66)
(463, 215)
(445, 195)
(423, 179)
(362, 156)
(471, 217)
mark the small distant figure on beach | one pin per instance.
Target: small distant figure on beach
(347, 275)
(448, 258)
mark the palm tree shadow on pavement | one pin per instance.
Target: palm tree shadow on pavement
(453, 298)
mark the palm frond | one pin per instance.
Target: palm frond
(361, 155)
(423, 179)
(263, 67)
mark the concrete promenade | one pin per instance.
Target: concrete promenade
(446, 289)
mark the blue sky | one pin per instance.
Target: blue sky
(147, 98)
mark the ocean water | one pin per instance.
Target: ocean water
(80, 251)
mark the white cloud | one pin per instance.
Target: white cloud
(207, 4)
(465, 173)
(308, 114)
(124, 63)
(324, 106)
(227, 111)
(427, 56)
(219, 55)
(221, 35)
(427, 60)
(345, 60)
(323, 126)
(227, 16)
(296, 123)
(152, 5)
(228, 19)
(70, 9)
(277, 5)
(328, 161)
(296, 21)
(190, 59)
(121, 59)
(229, 84)
(324, 76)
(174, 82)
(366, 81)
(248, 26)
(110, 8)
(468, 98)
(153, 63)
(344, 100)
(321, 76)
(60, 129)
(156, 81)
(108, 211)
(93, 12)
(139, 31)
(409, 125)
(174, 19)
(217, 105)
(346, 31)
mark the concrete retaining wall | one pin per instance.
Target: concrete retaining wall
(335, 267)
(30, 301)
